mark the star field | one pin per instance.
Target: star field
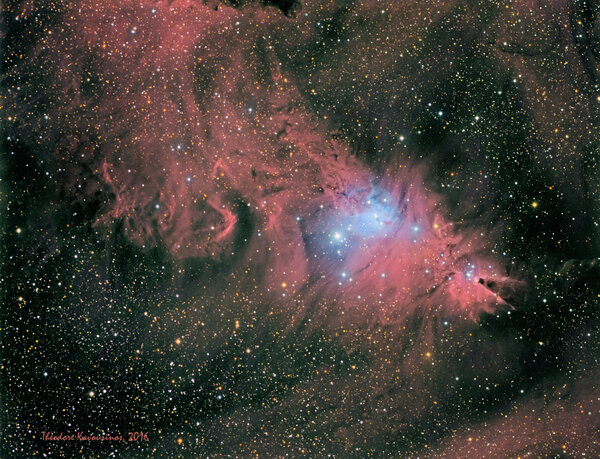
(277, 228)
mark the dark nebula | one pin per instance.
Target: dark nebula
(282, 229)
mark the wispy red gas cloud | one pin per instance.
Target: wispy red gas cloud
(200, 142)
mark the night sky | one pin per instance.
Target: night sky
(288, 228)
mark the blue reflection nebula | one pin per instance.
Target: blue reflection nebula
(359, 218)
(377, 216)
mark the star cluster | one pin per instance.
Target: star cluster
(317, 228)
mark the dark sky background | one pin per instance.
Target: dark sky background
(283, 228)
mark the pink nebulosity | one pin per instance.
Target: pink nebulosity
(391, 253)
(191, 127)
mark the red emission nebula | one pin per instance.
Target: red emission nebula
(185, 138)
(355, 229)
